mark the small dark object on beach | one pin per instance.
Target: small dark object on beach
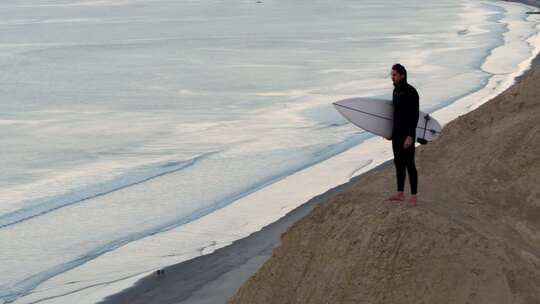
(160, 272)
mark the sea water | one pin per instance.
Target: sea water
(140, 133)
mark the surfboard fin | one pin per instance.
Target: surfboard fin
(423, 141)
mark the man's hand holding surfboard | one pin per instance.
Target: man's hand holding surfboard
(408, 141)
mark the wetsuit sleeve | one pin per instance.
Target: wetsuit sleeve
(413, 113)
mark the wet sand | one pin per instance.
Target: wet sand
(213, 278)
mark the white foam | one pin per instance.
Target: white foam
(527, 43)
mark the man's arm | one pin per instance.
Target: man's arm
(413, 113)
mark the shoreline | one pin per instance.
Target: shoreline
(216, 276)
(120, 268)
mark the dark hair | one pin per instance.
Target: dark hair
(401, 70)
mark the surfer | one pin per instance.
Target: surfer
(406, 111)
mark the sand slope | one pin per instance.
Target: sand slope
(474, 238)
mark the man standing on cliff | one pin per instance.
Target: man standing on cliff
(406, 111)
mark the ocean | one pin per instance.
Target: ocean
(140, 133)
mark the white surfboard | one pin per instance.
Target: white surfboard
(376, 116)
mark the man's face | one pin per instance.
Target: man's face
(396, 77)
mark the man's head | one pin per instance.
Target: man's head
(399, 74)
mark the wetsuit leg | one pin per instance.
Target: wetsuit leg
(399, 162)
(408, 157)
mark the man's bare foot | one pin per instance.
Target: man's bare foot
(396, 197)
(412, 201)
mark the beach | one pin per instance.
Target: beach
(215, 277)
(196, 138)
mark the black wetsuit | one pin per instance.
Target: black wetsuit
(406, 111)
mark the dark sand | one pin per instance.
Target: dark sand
(213, 278)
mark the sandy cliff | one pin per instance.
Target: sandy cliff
(473, 238)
